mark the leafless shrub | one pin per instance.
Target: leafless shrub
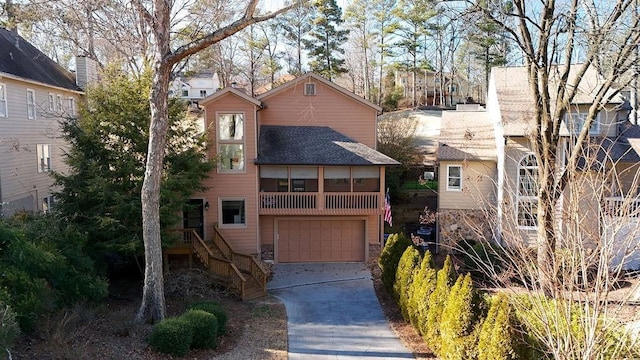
(192, 283)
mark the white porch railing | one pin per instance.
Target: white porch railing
(321, 201)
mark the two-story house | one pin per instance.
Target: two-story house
(35, 93)
(298, 177)
(488, 170)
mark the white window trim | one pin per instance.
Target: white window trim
(71, 101)
(52, 102)
(3, 98)
(232, 142)
(31, 114)
(221, 225)
(454, 188)
(592, 131)
(520, 198)
(41, 155)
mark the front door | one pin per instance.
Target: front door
(193, 216)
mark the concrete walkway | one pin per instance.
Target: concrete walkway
(333, 313)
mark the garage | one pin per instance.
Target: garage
(320, 240)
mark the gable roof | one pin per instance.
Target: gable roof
(314, 145)
(515, 101)
(466, 135)
(314, 76)
(21, 60)
(230, 90)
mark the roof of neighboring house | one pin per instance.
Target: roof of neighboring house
(624, 148)
(22, 60)
(230, 90)
(515, 101)
(319, 78)
(314, 145)
(466, 135)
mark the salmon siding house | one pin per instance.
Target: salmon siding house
(298, 178)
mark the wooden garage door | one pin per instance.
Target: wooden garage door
(320, 240)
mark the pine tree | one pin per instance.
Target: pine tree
(326, 40)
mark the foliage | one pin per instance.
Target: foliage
(460, 321)
(326, 40)
(424, 283)
(101, 191)
(205, 328)
(45, 265)
(216, 309)
(498, 338)
(483, 258)
(408, 266)
(9, 327)
(390, 257)
(397, 139)
(172, 336)
(437, 301)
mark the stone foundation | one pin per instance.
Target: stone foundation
(456, 225)
(266, 252)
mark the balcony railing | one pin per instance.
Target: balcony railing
(306, 203)
(622, 207)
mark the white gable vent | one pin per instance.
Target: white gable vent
(310, 89)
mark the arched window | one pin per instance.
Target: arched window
(527, 195)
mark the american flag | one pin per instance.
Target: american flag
(387, 209)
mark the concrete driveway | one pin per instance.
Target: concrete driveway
(333, 313)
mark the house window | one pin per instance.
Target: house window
(337, 179)
(454, 178)
(304, 179)
(232, 212)
(31, 104)
(44, 157)
(185, 93)
(231, 142)
(310, 89)
(576, 120)
(48, 204)
(527, 196)
(203, 93)
(52, 102)
(3, 100)
(274, 178)
(71, 103)
(366, 179)
(59, 103)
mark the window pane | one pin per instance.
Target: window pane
(231, 127)
(527, 212)
(231, 156)
(233, 212)
(454, 171)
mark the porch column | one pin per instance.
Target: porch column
(321, 188)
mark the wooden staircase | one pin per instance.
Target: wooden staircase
(241, 273)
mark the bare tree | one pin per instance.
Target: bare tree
(158, 16)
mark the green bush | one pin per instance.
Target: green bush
(205, 328)
(216, 309)
(9, 327)
(437, 299)
(389, 258)
(498, 339)
(460, 321)
(484, 259)
(172, 336)
(407, 268)
(424, 283)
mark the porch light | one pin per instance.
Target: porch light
(206, 206)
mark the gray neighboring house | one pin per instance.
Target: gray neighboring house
(35, 94)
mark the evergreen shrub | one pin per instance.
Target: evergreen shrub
(460, 321)
(405, 273)
(389, 258)
(205, 328)
(498, 339)
(444, 280)
(172, 336)
(9, 327)
(424, 283)
(217, 310)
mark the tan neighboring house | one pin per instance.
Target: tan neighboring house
(35, 93)
(506, 172)
(298, 176)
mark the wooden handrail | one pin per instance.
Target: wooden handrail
(244, 262)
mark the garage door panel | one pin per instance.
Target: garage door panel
(321, 240)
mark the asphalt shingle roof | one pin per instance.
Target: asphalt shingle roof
(466, 135)
(314, 145)
(19, 58)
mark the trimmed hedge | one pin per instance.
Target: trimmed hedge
(205, 328)
(390, 257)
(216, 309)
(498, 336)
(424, 283)
(460, 321)
(172, 336)
(437, 301)
(405, 274)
